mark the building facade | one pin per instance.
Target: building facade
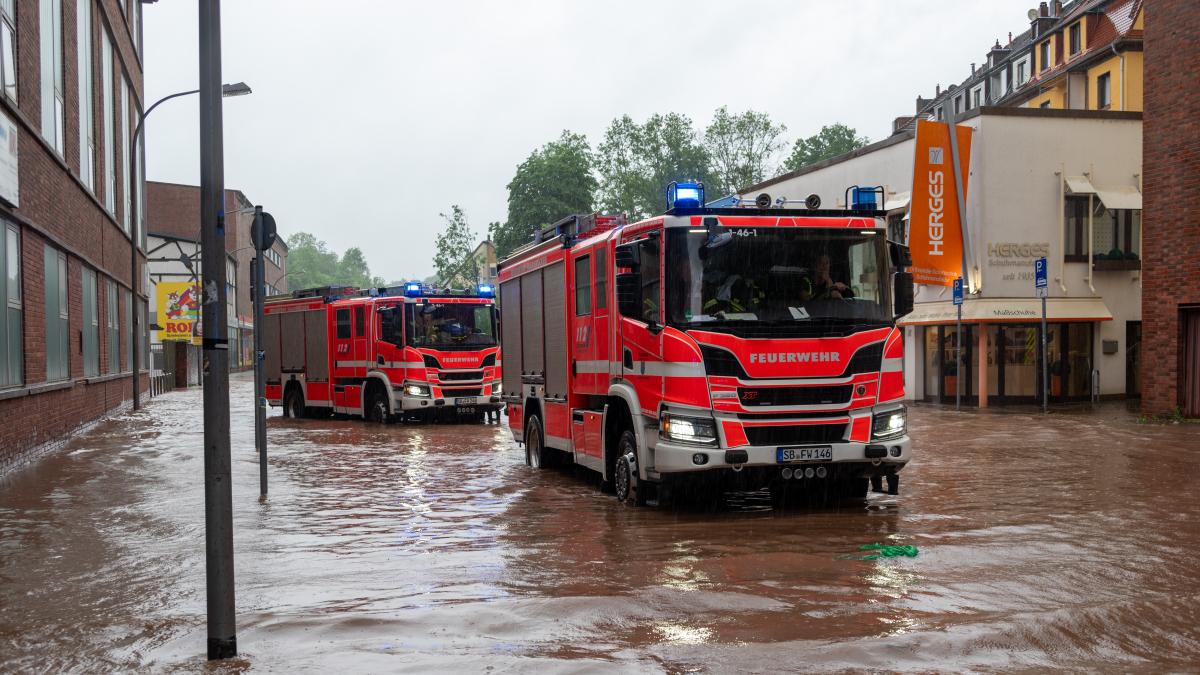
(174, 213)
(1171, 292)
(70, 93)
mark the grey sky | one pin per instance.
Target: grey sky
(369, 118)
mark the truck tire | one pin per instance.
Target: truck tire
(293, 405)
(536, 452)
(625, 480)
(377, 408)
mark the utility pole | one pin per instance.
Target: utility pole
(260, 393)
(218, 492)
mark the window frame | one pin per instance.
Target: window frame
(50, 71)
(1043, 54)
(360, 322)
(1022, 70)
(600, 278)
(342, 320)
(8, 50)
(114, 327)
(108, 115)
(12, 316)
(583, 286)
(1075, 38)
(1104, 90)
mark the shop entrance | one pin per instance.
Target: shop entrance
(1133, 359)
(1189, 322)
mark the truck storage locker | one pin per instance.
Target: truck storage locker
(555, 290)
(532, 345)
(316, 337)
(292, 328)
(271, 349)
(510, 335)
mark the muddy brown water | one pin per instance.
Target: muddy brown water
(1069, 541)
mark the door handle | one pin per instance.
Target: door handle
(627, 359)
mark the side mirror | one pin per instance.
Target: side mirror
(902, 292)
(900, 255)
(629, 293)
(627, 256)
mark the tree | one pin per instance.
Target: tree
(830, 141)
(553, 182)
(311, 264)
(637, 161)
(454, 244)
(742, 148)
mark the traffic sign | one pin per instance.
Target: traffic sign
(269, 232)
(1039, 273)
(958, 291)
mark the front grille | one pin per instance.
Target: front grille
(820, 395)
(796, 435)
(447, 392)
(446, 376)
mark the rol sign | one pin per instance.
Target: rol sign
(178, 310)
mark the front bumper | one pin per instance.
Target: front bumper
(672, 457)
(409, 403)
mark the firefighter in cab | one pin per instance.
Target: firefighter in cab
(737, 294)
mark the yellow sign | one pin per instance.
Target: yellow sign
(179, 311)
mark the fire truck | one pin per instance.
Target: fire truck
(741, 347)
(403, 352)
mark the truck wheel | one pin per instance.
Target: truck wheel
(625, 480)
(377, 409)
(536, 453)
(294, 405)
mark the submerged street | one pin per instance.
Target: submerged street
(1067, 541)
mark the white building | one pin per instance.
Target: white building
(1033, 174)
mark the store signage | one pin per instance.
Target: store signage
(179, 311)
(935, 232)
(1016, 254)
(9, 175)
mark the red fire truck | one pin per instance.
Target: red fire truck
(742, 347)
(382, 353)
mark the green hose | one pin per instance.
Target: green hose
(883, 552)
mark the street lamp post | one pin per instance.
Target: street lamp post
(238, 89)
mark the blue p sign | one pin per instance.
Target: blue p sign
(958, 291)
(1039, 273)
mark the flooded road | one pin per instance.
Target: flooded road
(1069, 541)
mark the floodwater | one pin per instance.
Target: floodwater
(1069, 541)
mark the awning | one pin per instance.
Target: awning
(1116, 197)
(897, 201)
(1120, 197)
(998, 310)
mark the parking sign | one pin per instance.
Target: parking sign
(1039, 277)
(958, 291)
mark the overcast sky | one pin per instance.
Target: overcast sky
(370, 117)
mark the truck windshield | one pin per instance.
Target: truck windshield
(805, 280)
(450, 325)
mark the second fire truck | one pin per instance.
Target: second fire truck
(404, 352)
(744, 347)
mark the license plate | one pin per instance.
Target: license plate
(815, 453)
(464, 401)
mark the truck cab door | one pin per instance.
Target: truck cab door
(641, 324)
(584, 369)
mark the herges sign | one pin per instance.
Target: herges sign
(935, 229)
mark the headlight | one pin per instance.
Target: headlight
(416, 390)
(697, 430)
(890, 424)
(497, 387)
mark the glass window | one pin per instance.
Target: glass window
(583, 286)
(50, 40)
(126, 148)
(91, 326)
(1078, 360)
(1075, 33)
(1075, 221)
(1022, 71)
(1043, 56)
(1104, 91)
(11, 338)
(113, 325)
(55, 269)
(359, 322)
(127, 299)
(446, 325)
(932, 363)
(651, 284)
(87, 142)
(1020, 350)
(391, 325)
(343, 324)
(106, 96)
(600, 278)
(8, 49)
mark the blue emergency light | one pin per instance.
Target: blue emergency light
(486, 291)
(864, 198)
(412, 289)
(685, 195)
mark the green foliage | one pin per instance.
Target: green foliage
(454, 244)
(311, 264)
(742, 149)
(553, 182)
(830, 141)
(637, 161)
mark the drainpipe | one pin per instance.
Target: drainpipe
(1141, 226)
(1062, 227)
(1091, 254)
(1113, 47)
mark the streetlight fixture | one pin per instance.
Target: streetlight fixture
(227, 90)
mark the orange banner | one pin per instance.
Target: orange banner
(935, 224)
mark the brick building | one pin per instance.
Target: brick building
(173, 210)
(1171, 288)
(70, 92)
